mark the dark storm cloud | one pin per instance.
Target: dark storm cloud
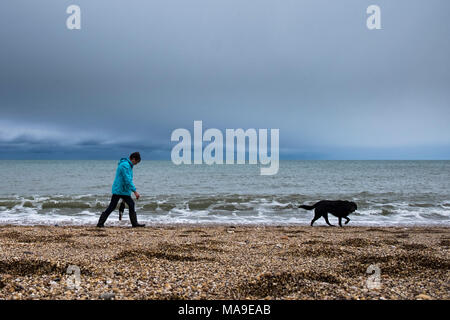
(25, 142)
(139, 69)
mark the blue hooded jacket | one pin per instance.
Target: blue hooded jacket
(123, 183)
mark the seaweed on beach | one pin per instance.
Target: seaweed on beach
(23, 267)
(408, 264)
(164, 251)
(376, 230)
(188, 231)
(358, 242)
(314, 242)
(30, 267)
(101, 235)
(295, 231)
(414, 246)
(390, 242)
(156, 255)
(29, 238)
(282, 284)
(205, 236)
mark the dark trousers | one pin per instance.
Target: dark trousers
(112, 206)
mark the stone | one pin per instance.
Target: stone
(107, 296)
(423, 296)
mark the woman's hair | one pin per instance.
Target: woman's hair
(136, 156)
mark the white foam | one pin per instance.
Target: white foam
(254, 210)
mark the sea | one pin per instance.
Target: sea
(75, 192)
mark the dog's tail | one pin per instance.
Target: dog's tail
(307, 207)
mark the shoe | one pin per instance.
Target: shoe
(138, 225)
(102, 220)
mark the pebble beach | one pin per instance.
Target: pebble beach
(224, 262)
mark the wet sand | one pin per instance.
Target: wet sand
(224, 262)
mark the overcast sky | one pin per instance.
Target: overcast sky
(137, 70)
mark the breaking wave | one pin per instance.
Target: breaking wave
(387, 208)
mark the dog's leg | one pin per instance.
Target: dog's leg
(348, 220)
(317, 215)
(325, 216)
(121, 209)
(340, 221)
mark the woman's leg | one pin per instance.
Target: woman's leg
(133, 218)
(112, 206)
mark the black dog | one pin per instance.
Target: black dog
(339, 208)
(121, 209)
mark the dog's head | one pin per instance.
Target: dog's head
(353, 206)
